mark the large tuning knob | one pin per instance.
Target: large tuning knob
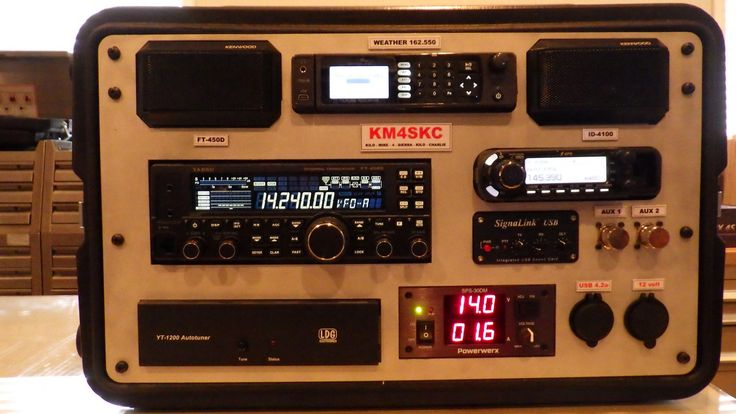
(326, 239)
(508, 175)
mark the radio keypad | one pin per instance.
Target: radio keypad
(456, 80)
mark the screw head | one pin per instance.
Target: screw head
(114, 93)
(117, 239)
(683, 357)
(113, 53)
(121, 367)
(686, 232)
(687, 48)
(688, 88)
(408, 349)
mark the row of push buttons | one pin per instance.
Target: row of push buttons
(239, 224)
(411, 194)
(571, 191)
(390, 223)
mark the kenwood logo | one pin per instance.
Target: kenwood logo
(327, 335)
(241, 46)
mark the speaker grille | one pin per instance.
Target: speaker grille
(571, 82)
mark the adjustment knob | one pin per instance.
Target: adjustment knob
(384, 248)
(418, 247)
(591, 319)
(646, 319)
(526, 336)
(509, 175)
(326, 239)
(192, 249)
(227, 249)
(614, 237)
(499, 62)
(653, 236)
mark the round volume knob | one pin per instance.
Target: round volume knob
(227, 249)
(509, 175)
(384, 248)
(591, 319)
(614, 237)
(192, 249)
(653, 236)
(418, 247)
(326, 239)
(499, 62)
(646, 319)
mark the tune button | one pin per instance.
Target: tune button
(384, 248)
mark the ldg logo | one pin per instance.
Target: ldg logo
(327, 335)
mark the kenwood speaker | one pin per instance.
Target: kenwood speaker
(597, 81)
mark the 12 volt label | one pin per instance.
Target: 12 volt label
(406, 137)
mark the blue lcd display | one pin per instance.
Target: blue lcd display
(288, 192)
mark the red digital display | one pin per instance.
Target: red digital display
(474, 319)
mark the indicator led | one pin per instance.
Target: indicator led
(419, 310)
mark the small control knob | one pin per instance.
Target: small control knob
(192, 249)
(227, 249)
(591, 319)
(326, 239)
(509, 175)
(646, 319)
(418, 247)
(614, 237)
(527, 336)
(384, 248)
(653, 236)
(499, 62)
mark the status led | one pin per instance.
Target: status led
(419, 310)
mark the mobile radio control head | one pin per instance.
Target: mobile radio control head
(326, 239)
(192, 249)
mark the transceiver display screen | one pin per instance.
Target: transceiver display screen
(288, 192)
(566, 170)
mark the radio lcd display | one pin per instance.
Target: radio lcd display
(566, 170)
(288, 192)
(358, 82)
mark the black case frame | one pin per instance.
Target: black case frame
(634, 18)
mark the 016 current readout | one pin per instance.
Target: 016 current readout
(314, 200)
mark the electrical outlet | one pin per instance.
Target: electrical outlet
(18, 100)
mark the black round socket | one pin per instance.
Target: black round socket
(591, 319)
(646, 319)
